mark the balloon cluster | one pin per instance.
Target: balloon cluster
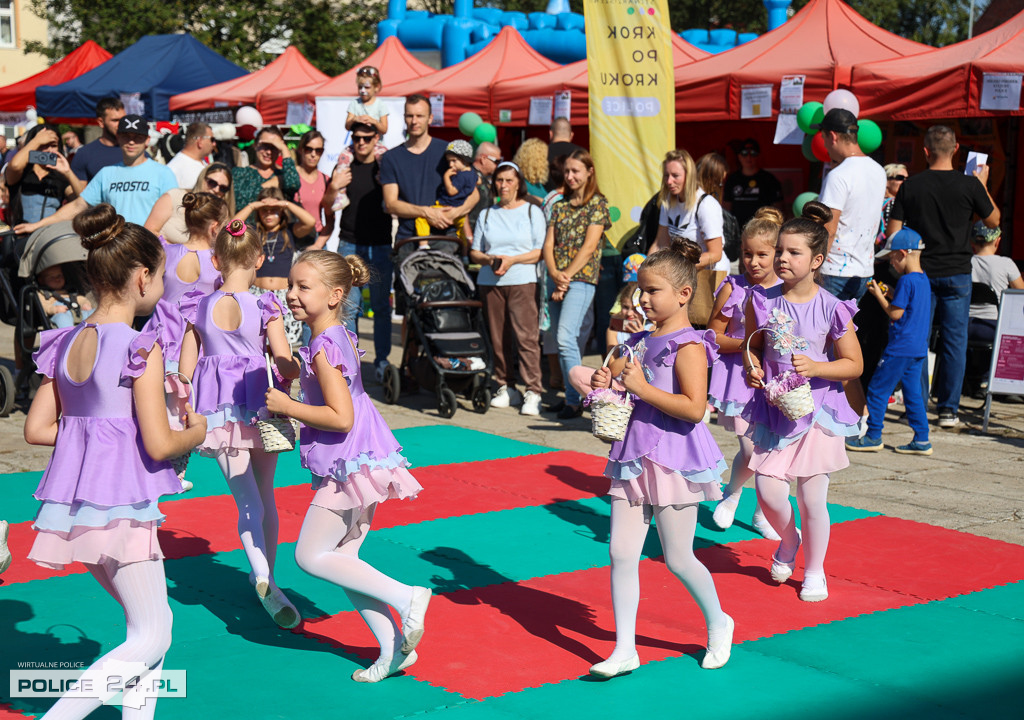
(473, 126)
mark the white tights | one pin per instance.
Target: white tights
(676, 527)
(740, 472)
(323, 550)
(141, 590)
(250, 477)
(811, 496)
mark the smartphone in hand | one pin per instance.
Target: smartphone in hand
(42, 158)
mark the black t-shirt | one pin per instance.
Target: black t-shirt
(940, 205)
(418, 177)
(748, 193)
(364, 221)
(559, 148)
(93, 157)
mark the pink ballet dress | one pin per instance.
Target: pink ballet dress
(230, 379)
(814, 444)
(357, 469)
(90, 514)
(166, 318)
(665, 460)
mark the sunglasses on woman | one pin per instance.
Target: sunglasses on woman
(898, 178)
(212, 184)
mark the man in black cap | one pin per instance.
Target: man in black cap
(750, 187)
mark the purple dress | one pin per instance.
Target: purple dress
(88, 514)
(166, 318)
(814, 444)
(230, 379)
(364, 466)
(665, 460)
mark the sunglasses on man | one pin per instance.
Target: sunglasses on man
(750, 153)
(359, 139)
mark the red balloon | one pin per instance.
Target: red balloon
(818, 147)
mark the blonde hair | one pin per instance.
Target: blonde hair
(689, 182)
(238, 246)
(336, 271)
(532, 159)
(894, 169)
(764, 225)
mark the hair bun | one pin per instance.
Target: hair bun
(817, 212)
(688, 249)
(360, 271)
(236, 228)
(97, 226)
(771, 214)
(189, 200)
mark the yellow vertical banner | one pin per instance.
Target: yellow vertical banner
(632, 102)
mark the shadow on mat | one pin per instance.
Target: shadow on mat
(542, 614)
(584, 482)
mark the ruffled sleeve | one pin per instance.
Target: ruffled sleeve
(758, 300)
(336, 343)
(45, 357)
(704, 337)
(188, 306)
(270, 308)
(842, 314)
(138, 354)
(737, 297)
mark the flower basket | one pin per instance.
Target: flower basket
(789, 391)
(277, 433)
(610, 409)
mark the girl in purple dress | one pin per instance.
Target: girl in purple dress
(234, 328)
(812, 334)
(355, 460)
(728, 391)
(101, 407)
(668, 461)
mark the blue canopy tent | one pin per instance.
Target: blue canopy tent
(157, 66)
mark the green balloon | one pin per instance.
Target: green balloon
(806, 148)
(468, 123)
(485, 132)
(869, 136)
(801, 200)
(808, 114)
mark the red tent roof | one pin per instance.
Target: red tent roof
(17, 97)
(289, 71)
(515, 94)
(822, 42)
(395, 63)
(467, 86)
(942, 83)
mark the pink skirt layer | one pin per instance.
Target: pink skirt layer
(365, 488)
(123, 542)
(230, 438)
(816, 453)
(733, 423)
(659, 486)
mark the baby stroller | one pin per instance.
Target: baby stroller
(445, 327)
(21, 259)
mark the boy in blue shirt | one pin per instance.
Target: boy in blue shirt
(910, 319)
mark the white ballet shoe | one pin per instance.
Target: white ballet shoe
(814, 589)
(186, 485)
(5, 553)
(718, 654)
(725, 512)
(764, 528)
(385, 667)
(412, 622)
(613, 668)
(277, 604)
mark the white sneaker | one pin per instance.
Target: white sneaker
(506, 397)
(531, 403)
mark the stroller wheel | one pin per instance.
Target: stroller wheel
(7, 391)
(392, 384)
(446, 404)
(482, 400)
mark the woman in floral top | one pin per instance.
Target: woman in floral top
(572, 253)
(264, 173)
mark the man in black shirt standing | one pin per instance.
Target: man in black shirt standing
(560, 144)
(940, 204)
(750, 187)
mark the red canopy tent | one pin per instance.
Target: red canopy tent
(22, 94)
(944, 83)
(289, 71)
(515, 94)
(823, 41)
(468, 85)
(395, 63)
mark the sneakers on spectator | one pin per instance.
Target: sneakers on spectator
(915, 448)
(378, 370)
(506, 397)
(864, 444)
(531, 404)
(948, 418)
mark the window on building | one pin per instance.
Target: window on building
(6, 23)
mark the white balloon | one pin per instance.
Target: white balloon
(843, 99)
(248, 115)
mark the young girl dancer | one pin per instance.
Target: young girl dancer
(103, 398)
(233, 327)
(729, 390)
(668, 461)
(807, 325)
(355, 461)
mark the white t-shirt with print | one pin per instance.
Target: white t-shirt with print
(699, 224)
(856, 188)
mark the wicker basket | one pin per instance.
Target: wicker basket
(180, 463)
(610, 419)
(277, 433)
(794, 404)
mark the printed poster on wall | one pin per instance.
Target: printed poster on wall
(755, 101)
(436, 109)
(540, 110)
(632, 102)
(563, 104)
(1000, 91)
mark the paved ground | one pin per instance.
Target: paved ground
(972, 482)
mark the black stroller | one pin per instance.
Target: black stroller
(446, 345)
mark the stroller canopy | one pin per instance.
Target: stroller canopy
(52, 245)
(432, 265)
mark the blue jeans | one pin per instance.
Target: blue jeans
(566, 320)
(378, 257)
(890, 371)
(951, 308)
(845, 288)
